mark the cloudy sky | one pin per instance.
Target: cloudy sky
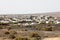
(29, 6)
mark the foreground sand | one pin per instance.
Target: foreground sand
(55, 38)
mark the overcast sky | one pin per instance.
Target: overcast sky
(29, 6)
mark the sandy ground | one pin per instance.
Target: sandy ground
(55, 38)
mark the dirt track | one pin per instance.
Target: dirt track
(55, 38)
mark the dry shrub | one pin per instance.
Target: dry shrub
(9, 28)
(6, 33)
(48, 29)
(21, 38)
(13, 32)
(34, 34)
(12, 36)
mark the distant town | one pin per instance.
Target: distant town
(30, 20)
(29, 27)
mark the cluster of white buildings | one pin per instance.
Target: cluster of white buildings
(32, 20)
(45, 19)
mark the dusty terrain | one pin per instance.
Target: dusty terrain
(21, 31)
(55, 38)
